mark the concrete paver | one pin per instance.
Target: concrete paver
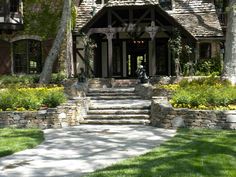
(75, 151)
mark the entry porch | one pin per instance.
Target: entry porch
(125, 38)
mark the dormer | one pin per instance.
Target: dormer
(166, 4)
(11, 15)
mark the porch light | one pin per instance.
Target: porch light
(138, 42)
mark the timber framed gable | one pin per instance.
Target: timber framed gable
(150, 23)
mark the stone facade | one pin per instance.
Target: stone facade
(165, 116)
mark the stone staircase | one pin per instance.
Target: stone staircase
(118, 105)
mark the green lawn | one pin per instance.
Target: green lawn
(14, 140)
(191, 153)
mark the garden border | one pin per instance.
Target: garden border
(165, 116)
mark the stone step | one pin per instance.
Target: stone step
(114, 97)
(110, 94)
(121, 111)
(111, 90)
(125, 107)
(118, 122)
(116, 117)
(120, 104)
(125, 82)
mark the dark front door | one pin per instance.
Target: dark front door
(162, 57)
(137, 55)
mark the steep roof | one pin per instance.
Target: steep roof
(113, 3)
(196, 16)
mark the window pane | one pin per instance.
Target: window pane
(205, 50)
(1, 6)
(166, 4)
(27, 56)
(14, 5)
(98, 1)
(20, 56)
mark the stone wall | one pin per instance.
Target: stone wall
(68, 114)
(165, 116)
(144, 90)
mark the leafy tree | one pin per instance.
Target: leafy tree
(45, 76)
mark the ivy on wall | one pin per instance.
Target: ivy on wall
(42, 17)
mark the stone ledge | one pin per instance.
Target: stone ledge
(165, 116)
(68, 114)
(144, 90)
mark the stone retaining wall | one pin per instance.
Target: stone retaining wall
(165, 116)
(144, 90)
(68, 114)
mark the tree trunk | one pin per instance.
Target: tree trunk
(45, 76)
(230, 46)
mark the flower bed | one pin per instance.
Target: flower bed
(206, 93)
(22, 99)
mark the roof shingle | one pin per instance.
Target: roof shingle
(196, 16)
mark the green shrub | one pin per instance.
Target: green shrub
(31, 98)
(7, 99)
(58, 78)
(18, 81)
(205, 93)
(206, 67)
(54, 99)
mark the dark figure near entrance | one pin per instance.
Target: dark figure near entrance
(142, 75)
(82, 75)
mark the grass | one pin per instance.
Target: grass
(191, 153)
(14, 140)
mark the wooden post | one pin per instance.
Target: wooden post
(7, 12)
(152, 30)
(75, 55)
(110, 53)
(197, 52)
(169, 61)
(109, 35)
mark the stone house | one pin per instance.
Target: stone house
(127, 33)
(27, 31)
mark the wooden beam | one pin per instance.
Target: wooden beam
(119, 18)
(142, 17)
(109, 18)
(131, 15)
(74, 55)
(7, 11)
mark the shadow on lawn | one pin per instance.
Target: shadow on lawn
(19, 139)
(206, 153)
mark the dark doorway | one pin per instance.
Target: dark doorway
(137, 55)
(117, 58)
(162, 57)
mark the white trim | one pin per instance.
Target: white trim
(1, 19)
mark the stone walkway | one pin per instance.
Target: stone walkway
(76, 151)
